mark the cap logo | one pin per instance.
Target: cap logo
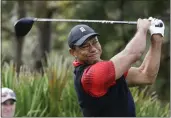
(82, 29)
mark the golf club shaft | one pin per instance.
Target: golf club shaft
(90, 21)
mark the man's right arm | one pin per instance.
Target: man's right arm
(133, 50)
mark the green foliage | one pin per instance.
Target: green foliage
(149, 106)
(53, 94)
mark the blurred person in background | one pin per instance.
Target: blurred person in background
(8, 103)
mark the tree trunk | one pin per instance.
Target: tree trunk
(19, 40)
(44, 29)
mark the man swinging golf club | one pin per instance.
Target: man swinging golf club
(102, 86)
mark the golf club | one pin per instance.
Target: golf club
(24, 25)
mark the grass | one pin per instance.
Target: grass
(53, 94)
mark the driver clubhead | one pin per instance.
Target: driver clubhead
(23, 26)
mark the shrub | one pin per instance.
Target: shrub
(53, 94)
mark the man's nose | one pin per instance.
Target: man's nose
(92, 48)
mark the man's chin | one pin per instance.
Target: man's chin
(7, 115)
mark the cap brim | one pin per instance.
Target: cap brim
(7, 98)
(84, 38)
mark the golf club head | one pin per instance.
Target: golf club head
(23, 26)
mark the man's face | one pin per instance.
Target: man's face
(89, 52)
(8, 108)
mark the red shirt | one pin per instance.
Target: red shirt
(97, 78)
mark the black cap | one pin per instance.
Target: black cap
(79, 34)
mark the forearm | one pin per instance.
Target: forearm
(133, 51)
(130, 54)
(137, 45)
(151, 63)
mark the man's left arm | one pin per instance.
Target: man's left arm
(147, 72)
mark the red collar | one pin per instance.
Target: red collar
(77, 63)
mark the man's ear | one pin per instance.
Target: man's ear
(72, 52)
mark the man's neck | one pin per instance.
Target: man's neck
(88, 63)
